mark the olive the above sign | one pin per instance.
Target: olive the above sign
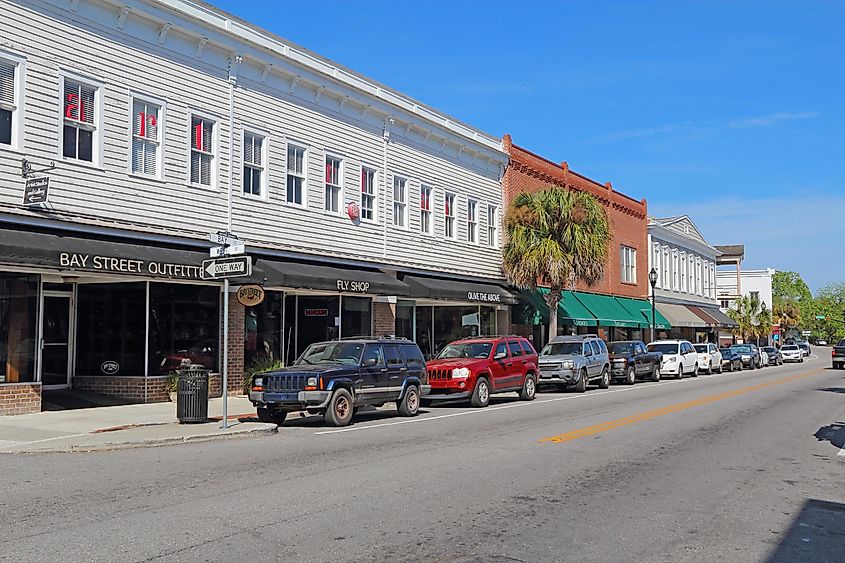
(484, 297)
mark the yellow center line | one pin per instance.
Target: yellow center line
(648, 415)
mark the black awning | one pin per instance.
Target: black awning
(440, 288)
(99, 255)
(721, 318)
(301, 275)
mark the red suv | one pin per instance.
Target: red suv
(474, 368)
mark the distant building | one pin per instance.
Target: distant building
(755, 283)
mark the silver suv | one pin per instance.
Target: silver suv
(575, 361)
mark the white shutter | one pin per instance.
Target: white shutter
(7, 83)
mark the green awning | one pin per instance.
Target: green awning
(570, 310)
(642, 307)
(609, 311)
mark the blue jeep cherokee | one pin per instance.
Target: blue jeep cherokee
(336, 378)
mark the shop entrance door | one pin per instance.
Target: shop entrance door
(56, 328)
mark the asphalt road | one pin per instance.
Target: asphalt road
(734, 467)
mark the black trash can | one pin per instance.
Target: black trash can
(192, 394)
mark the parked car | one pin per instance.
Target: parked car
(335, 378)
(764, 357)
(709, 357)
(805, 347)
(749, 354)
(837, 355)
(791, 353)
(475, 368)
(575, 361)
(679, 357)
(731, 360)
(821, 342)
(629, 361)
(775, 357)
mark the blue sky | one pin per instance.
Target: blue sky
(730, 112)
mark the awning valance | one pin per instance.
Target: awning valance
(301, 275)
(680, 316)
(483, 293)
(608, 311)
(642, 308)
(721, 318)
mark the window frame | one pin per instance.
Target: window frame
(306, 149)
(375, 194)
(493, 229)
(160, 126)
(406, 212)
(430, 220)
(215, 156)
(628, 264)
(264, 176)
(339, 186)
(18, 102)
(470, 224)
(97, 137)
(453, 217)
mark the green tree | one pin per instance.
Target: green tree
(753, 318)
(830, 303)
(787, 314)
(789, 287)
(556, 237)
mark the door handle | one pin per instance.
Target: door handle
(524, 362)
(403, 369)
(383, 370)
(509, 364)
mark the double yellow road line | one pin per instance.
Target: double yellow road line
(649, 415)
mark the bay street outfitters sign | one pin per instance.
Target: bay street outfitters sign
(110, 265)
(484, 297)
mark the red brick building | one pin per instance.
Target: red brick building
(529, 172)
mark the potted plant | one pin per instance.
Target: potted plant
(172, 385)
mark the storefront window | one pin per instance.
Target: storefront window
(111, 324)
(424, 331)
(356, 317)
(488, 321)
(453, 323)
(318, 319)
(405, 320)
(184, 326)
(263, 330)
(18, 317)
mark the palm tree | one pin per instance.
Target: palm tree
(787, 314)
(555, 237)
(753, 318)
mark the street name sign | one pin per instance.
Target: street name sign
(36, 190)
(224, 268)
(224, 239)
(229, 250)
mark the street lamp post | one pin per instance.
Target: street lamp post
(652, 279)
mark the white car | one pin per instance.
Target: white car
(709, 357)
(791, 353)
(764, 358)
(679, 357)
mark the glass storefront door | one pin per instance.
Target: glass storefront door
(55, 340)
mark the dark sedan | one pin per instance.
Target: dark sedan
(775, 357)
(731, 360)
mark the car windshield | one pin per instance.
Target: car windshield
(468, 350)
(667, 348)
(621, 347)
(741, 349)
(346, 353)
(841, 343)
(561, 348)
(789, 347)
(769, 349)
(701, 348)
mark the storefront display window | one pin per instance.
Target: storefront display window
(488, 321)
(18, 317)
(425, 331)
(318, 319)
(405, 320)
(111, 330)
(184, 326)
(356, 317)
(452, 323)
(263, 330)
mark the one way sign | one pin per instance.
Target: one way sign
(221, 268)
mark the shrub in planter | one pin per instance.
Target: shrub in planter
(259, 366)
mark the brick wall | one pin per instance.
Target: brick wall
(236, 347)
(528, 172)
(20, 398)
(384, 319)
(128, 388)
(503, 321)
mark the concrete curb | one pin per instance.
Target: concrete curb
(258, 430)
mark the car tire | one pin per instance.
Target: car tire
(581, 386)
(604, 382)
(271, 417)
(631, 377)
(409, 404)
(529, 388)
(655, 374)
(695, 371)
(339, 411)
(721, 369)
(481, 394)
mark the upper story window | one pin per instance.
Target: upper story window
(296, 175)
(675, 271)
(81, 121)
(425, 209)
(472, 221)
(656, 265)
(253, 164)
(400, 202)
(9, 102)
(755, 295)
(368, 194)
(698, 276)
(683, 272)
(493, 226)
(145, 157)
(203, 151)
(691, 274)
(449, 213)
(628, 260)
(724, 303)
(667, 275)
(333, 183)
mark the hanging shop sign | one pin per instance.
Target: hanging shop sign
(250, 295)
(36, 190)
(484, 297)
(353, 211)
(353, 286)
(96, 263)
(316, 312)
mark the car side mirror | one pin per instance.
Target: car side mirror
(370, 362)
(500, 356)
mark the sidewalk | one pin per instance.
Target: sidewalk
(125, 426)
